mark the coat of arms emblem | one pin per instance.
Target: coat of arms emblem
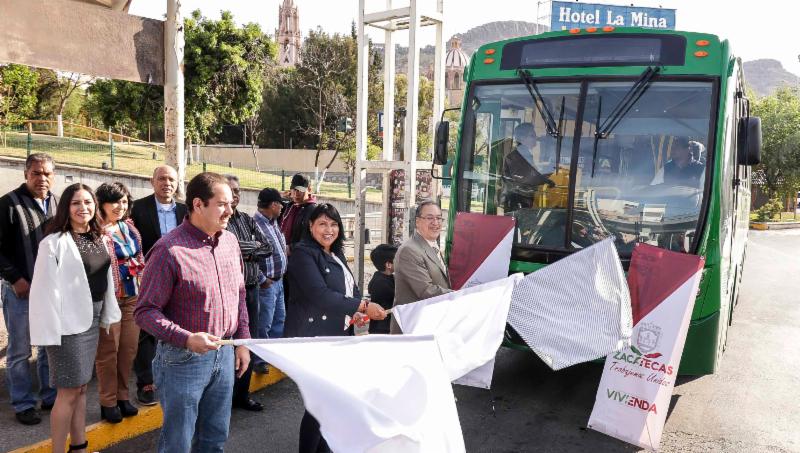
(648, 337)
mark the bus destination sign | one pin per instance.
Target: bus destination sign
(567, 15)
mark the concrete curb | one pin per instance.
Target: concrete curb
(103, 434)
(762, 226)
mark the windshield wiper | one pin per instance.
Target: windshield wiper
(560, 132)
(538, 101)
(622, 108)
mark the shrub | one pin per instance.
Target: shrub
(770, 209)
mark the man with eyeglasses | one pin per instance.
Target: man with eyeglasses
(420, 271)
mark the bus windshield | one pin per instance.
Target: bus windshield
(578, 181)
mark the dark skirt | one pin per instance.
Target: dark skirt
(72, 363)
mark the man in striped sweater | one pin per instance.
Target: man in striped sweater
(23, 214)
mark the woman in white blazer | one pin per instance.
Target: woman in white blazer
(72, 294)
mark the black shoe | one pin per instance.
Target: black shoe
(82, 446)
(249, 405)
(46, 406)
(127, 409)
(29, 416)
(146, 395)
(110, 414)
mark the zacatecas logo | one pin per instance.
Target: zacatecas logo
(645, 356)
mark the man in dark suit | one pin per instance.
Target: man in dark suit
(154, 216)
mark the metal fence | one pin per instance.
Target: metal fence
(103, 150)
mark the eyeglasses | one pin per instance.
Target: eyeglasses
(431, 219)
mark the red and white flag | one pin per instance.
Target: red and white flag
(633, 397)
(481, 250)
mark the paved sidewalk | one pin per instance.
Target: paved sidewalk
(16, 437)
(13, 434)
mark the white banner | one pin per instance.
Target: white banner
(468, 325)
(634, 393)
(374, 393)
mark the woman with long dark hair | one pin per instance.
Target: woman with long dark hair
(72, 293)
(323, 292)
(117, 348)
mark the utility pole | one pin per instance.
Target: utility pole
(174, 133)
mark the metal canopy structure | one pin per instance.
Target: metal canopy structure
(411, 18)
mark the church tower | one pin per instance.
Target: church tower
(455, 63)
(288, 34)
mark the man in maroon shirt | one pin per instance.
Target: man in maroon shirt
(294, 218)
(192, 294)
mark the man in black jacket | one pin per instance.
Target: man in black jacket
(254, 248)
(154, 216)
(23, 214)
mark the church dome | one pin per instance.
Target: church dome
(456, 58)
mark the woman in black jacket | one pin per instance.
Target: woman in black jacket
(324, 291)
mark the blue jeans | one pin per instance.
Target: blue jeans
(18, 374)
(272, 312)
(195, 392)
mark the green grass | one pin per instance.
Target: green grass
(140, 160)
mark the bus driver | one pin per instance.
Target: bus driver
(520, 175)
(681, 169)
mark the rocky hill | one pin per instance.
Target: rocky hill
(497, 31)
(471, 40)
(765, 76)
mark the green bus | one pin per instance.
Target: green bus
(637, 134)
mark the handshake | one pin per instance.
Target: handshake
(366, 312)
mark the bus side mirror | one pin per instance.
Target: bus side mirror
(749, 141)
(441, 140)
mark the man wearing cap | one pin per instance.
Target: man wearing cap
(296, 215)
(272, 309)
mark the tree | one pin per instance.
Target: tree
(324, 78)
(347, 153)
(17, 96)
(280, 113)
(56, 91)
(66, 86)
(425, 106)
(128, 107)
(223, 82)
(224, 66)
(780, 153)
(254, 134)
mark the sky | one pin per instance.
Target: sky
(764, 29)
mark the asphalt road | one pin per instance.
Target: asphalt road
(750, 405)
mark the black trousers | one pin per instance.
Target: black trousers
(143, 362)
(241, 386)
(311, 440)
